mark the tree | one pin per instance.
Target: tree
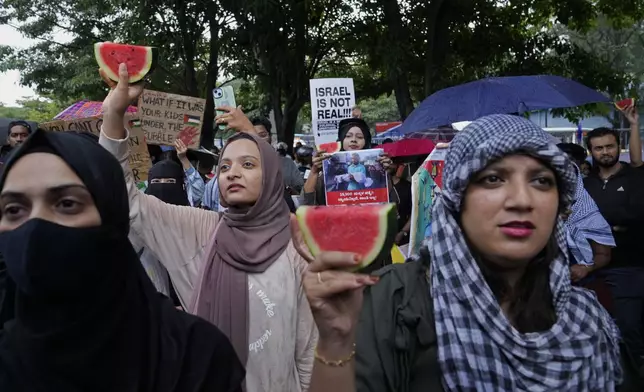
(33, 109)
(283, 45)
(382, 108)
(13, 112)
(436, 44)
(188, 64)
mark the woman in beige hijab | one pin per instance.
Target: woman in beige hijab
(238, 269)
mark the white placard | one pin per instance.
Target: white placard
(331, 101)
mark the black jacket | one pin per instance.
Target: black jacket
(621, 202)
(396, 346)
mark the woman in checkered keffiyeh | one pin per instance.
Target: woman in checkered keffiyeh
(489, 306)
(504, 323)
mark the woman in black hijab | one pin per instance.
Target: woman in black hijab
(165, 182)
(354, 135)
(87, 316)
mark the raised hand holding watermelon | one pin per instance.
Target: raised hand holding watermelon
(335, 295)
(122, 93)
(631, 114)
(117, 101)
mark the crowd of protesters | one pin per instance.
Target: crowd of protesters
(531, 280)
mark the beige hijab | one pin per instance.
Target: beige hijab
(246, 241)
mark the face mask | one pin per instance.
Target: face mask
(48, 260)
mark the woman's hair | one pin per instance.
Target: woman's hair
(530, 301)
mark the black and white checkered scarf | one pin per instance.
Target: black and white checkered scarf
(479, 350)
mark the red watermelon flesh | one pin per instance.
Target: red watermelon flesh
(140, 60)
(625, 103)
(330, 148)
(367, 230)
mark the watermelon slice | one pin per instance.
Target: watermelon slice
(140, 60)
(367, 230)
(625, 103)
(330, 148)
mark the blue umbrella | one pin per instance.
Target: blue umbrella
(513, 94)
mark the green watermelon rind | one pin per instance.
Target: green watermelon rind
(382, 244)
(151, 61)
(337, 144)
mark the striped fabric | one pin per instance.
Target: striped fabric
(195, 186)
(211, 196)
(585, 224)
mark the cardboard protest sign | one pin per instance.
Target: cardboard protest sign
(90, 124)
(355, 177)
(140, 161)
(331, 101)
(426, 183)
(166, 117)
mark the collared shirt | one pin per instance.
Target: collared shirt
(195, 187)
(586, 224)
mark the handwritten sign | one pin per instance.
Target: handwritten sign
(166, 117)
(331, 101)
(140, 161)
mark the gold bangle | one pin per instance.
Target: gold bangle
(336, 363)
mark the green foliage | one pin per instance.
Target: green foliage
(13, 112)
(33, 109)
(270, 49)
(380, 109)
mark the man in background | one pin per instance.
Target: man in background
(618, 190)
(18, 132)
(293, 178)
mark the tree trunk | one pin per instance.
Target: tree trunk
(276, 106)
(398, 37)
(189, 50)
(208, 130)
(403, 96)
(289, 122)
(432, 22)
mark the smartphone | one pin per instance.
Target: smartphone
(224, 96)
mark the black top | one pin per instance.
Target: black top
(87, 316)
(621, 202)
(403, 191)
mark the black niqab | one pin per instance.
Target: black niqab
(115, 333)
(172, 193)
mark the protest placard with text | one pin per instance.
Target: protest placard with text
(166, 117)
(139, 159)
(355, 177)
(331, 101)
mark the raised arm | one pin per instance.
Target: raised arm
(635, 140)
(176, 234)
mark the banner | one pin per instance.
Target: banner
(139, 159)
(166, 117)
(426, 183)
(331, 101)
